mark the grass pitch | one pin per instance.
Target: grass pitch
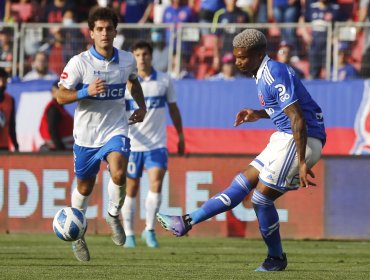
(46, 257)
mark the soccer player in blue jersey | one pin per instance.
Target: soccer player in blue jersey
(97, 80)
(149, 143)
(285, 163)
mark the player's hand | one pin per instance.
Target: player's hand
(246, 115)
(97, 87)
(181, 145)
(304, 171)
(137, 116)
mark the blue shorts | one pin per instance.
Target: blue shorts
(138, 160)
(87, 160)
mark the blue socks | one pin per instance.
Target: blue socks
(269, 223)
(223, 201)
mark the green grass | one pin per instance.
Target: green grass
(46, 257)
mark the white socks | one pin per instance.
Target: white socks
(152, 204)
(79, 201)
(116, 195)
(128, 215)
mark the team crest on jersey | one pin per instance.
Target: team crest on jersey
(260, 96)
(64, 75)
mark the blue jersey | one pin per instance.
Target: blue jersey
(135, 10)
(212, 5)
(318, 14)
(278, 87)
(348, 72)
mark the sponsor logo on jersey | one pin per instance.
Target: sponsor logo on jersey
(283, 96)
(64, 75)
(260, 96)
(111, 93)
(153, 102)
(114, 91)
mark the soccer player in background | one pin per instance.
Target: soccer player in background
(285, 163)
(97, 79)
(148, 144)
(56, 126)
(7, 116)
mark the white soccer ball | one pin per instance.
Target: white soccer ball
(69, 224)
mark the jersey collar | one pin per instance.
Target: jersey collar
(152, 76)
(260, 70)
(97, 55)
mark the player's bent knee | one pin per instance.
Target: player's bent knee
(119, 177)
(86, 186)
(85, 191)
(259, 199)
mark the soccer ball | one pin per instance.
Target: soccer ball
(69, 224)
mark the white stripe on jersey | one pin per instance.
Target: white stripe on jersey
(267, 75)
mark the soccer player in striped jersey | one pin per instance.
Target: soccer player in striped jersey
(97, 80)
(149, 143)
(284, 164)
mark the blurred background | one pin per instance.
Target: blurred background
(326, 43)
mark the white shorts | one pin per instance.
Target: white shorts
(278, 162)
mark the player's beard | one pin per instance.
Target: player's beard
(248, 74)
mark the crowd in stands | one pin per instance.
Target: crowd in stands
(200, 59)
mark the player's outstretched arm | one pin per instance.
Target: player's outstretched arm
(65, 96)
(299, 130)
(250, 115)
(134, 87)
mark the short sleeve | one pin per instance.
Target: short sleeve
(282, 89)
(71, 76)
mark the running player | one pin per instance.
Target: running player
(285, 163)
(97, 79)
(148, 144)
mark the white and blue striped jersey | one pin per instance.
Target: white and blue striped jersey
(99, 118)
(151, 133)
(278, 87)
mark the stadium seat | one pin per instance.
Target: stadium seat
(202, 59)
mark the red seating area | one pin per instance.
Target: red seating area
(201, 60)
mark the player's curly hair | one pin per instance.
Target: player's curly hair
(100, 13)
(251, 39)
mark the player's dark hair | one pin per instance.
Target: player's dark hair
(42, 53)
(100, 13)
(3, 73)
(143, 45)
